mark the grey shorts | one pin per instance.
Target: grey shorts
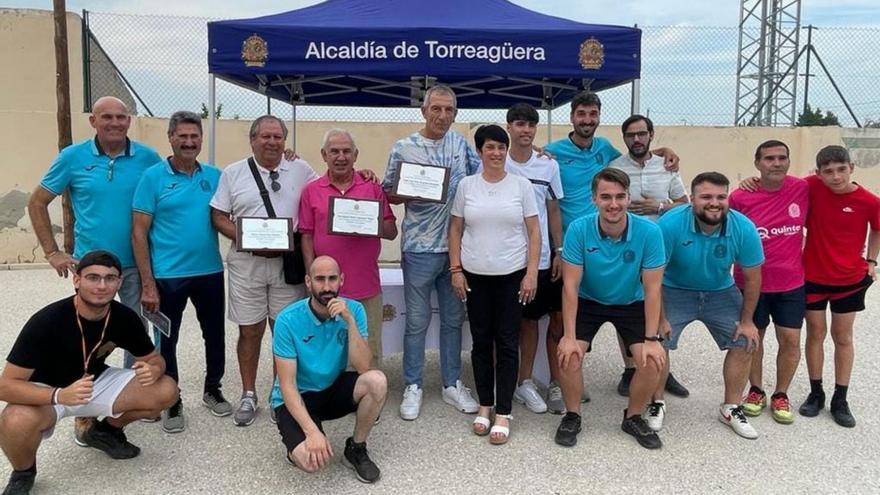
(257, 289)
(106, 390)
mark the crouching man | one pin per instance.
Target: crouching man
(315, 339)
(56, 369)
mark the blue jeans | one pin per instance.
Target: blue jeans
(130, 295)
(719, 310)
(423, 273)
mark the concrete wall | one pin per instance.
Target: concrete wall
(28, 134)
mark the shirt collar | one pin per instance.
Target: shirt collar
(590, 148)
(171, 170)
(98, 151)
(314, 316)
(284, 165)
(324, 180)
(627, 234)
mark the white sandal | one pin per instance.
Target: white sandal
(481, 426)
(504, 431)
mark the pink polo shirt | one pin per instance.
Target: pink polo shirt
(358, 257)
(780, 217)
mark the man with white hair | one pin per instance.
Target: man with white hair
(355, 254)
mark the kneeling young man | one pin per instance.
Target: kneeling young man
(56, 369)
(612, 269)
(703, 241)
(315, 339)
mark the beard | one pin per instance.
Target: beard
(323, 298)
(641, 153)
(704, 217)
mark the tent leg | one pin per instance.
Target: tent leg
(293, 127)
(549, 125)
(212, 119)
(636, 96)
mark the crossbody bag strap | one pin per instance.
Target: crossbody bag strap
(262, 187)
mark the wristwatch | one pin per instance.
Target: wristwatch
(654, 338)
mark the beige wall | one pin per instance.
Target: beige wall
(28, 132)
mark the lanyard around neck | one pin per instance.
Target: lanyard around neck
(88, 357)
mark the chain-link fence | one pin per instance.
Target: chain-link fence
(688, 75)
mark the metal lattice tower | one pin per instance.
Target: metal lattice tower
(768, 47)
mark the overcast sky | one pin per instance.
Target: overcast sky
(624, 12)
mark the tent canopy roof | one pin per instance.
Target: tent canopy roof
(367, 53)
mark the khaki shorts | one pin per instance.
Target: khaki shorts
(106, 390)
(257, 289)
(373, 307)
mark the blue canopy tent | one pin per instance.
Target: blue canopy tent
(387, 53)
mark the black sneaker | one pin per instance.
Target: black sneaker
(811, 407)
(637, 427)
(841, 414)
(355, 457)
(113, 443)
(569, 427)
(21, 482)
(675, 388)
(625, 379)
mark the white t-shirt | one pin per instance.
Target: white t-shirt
(237, 192)
(495, 240)
(543, 173)
(650, 181)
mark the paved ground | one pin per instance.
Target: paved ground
(437, 453)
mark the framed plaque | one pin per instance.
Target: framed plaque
(421, 181)
(257, 234)
(358, 217)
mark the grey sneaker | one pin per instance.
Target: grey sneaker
(219, 406)
(555, 404)
(172, 419)
(247, 409)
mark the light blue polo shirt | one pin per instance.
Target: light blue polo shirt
(696, 261)
(101, 190)
(613, 268)
(577, 167)
(183, 241)
(320, 348)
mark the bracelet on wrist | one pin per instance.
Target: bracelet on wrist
(53, 253)
(55, 396)
(871, 260)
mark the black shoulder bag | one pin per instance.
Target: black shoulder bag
(294, 266)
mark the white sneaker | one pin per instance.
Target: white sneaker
(412, 402)
(734, 417)
(555, 404)
(528, 394)
(460, 397)
(655, 414)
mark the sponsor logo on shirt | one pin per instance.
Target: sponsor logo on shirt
(629, 256)
(765, 233)
(794, 211)
(847, 209)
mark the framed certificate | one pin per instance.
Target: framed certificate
(359, 217)
(256, 234)
(421, 181)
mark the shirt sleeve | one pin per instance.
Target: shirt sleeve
(473, 160)
(387, 212)
(654, 251)
(459, 201)
(573, 244)
(25, 351)
(282, 339)
(751, 253)
(57, 178)
(874, 218)
(676, 187)
(391, 168)
(222, 199)
(668, 232)
(145, 196)
(360, 317)
(130, 332)
(556, 191)
(530, 204)
(306, 213)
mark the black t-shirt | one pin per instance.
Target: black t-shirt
(51, 344)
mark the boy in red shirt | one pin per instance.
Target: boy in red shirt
(837, 274)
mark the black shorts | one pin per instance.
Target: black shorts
(547, 300)
(786, 308)
(843, 299)
(628, 320)
(334, 402)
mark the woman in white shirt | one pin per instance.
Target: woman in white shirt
(494, 249)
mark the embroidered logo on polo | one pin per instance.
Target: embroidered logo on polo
(308, 338)
(172, 185)
(89, 168)
(720, 251)
(629, 256)
(592, 249)
(794, 210)
(205, 185)
(847, 209)
(687, 243)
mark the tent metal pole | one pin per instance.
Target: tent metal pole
(549, 125)
(636, 96)
(212, 119)
(293, 127)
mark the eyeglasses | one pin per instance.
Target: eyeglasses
(94, 278)
(273, 176)
(110, 170)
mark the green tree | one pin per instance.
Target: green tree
(812, 117)
(218, 112)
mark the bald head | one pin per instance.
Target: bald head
(111, 120)
(324, 280)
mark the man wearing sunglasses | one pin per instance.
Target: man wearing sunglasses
(56, 369)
